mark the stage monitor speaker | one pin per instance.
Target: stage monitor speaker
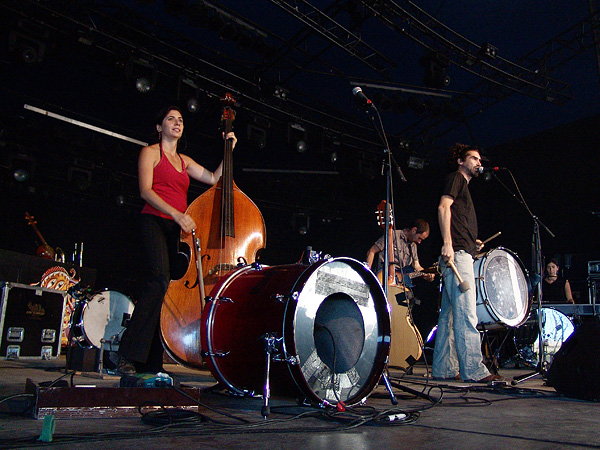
(575, 370)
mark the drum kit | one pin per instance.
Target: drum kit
(325, 325)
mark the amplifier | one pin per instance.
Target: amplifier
(594, 269)
(31, 319)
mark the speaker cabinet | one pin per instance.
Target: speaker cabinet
(575, 370)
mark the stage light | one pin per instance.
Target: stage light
(258, 135)
(28, 43)
(187, 93)
(489, 50)
(281, 93)
(22, 167)
(143, 85)
(297, 137)
(416, 163)
(435, 65)
(143, 73)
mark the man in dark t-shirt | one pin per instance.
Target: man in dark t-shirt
(457, 353)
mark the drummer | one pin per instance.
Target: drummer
(555, 289)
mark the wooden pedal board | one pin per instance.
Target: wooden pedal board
(107, 402)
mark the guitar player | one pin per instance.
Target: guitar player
(405, 256)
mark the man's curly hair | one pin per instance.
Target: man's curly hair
(459, 151)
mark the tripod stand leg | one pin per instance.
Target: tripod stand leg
(388, 386)
(516, 380)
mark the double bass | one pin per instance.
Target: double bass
(230, 231)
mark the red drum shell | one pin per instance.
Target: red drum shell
(330, 314)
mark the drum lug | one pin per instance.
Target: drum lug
(217, 354)
(284, 298)
(256, 265)
(217, 299)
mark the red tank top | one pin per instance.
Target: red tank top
(170, 185)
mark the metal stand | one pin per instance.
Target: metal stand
(538, 269)
(538, 265)
(388, 160)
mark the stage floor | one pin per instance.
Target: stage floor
(457, 415)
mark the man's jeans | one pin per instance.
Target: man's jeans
(457, 341)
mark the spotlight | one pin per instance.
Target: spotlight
(297, 137)
(258, 135)
(192, 105)
(143, 73)
(301, 223)
(301, 146)
(28, 45)
(488, 49)
(281, 93)
(435, 65)
(22, 167)
(416, 163)
(187, 94)
(143, 85)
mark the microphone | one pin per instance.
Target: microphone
(362, 98)
(489, 169)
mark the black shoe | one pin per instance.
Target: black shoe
(125, 367)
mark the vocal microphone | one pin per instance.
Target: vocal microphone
(362, 98)
(489, 169)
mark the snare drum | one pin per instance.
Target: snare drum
(502, 291)
(101, 317)
(328, 323)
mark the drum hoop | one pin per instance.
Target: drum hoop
(384, 329)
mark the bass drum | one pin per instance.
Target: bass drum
(101, 317)
(329, 322)
(502, 290)
(556, 328)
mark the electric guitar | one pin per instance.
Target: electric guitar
(408, 273)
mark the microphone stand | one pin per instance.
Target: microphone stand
(538, 268)
(388, 160)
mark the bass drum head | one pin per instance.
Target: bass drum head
(502, 290)
(341, 332)
(102, 318)
(556, 328)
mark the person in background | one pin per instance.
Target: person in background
(555, 289)
(405, 243)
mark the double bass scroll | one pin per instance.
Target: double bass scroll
(229, 229)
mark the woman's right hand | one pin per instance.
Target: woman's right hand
(185, 221)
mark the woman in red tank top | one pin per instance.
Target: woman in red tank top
(164, 176)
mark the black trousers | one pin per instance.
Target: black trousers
(141, 341)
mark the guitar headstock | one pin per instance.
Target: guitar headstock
(382, 211)
(30, 219)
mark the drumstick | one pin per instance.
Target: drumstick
(492, 237)
(462, 285)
